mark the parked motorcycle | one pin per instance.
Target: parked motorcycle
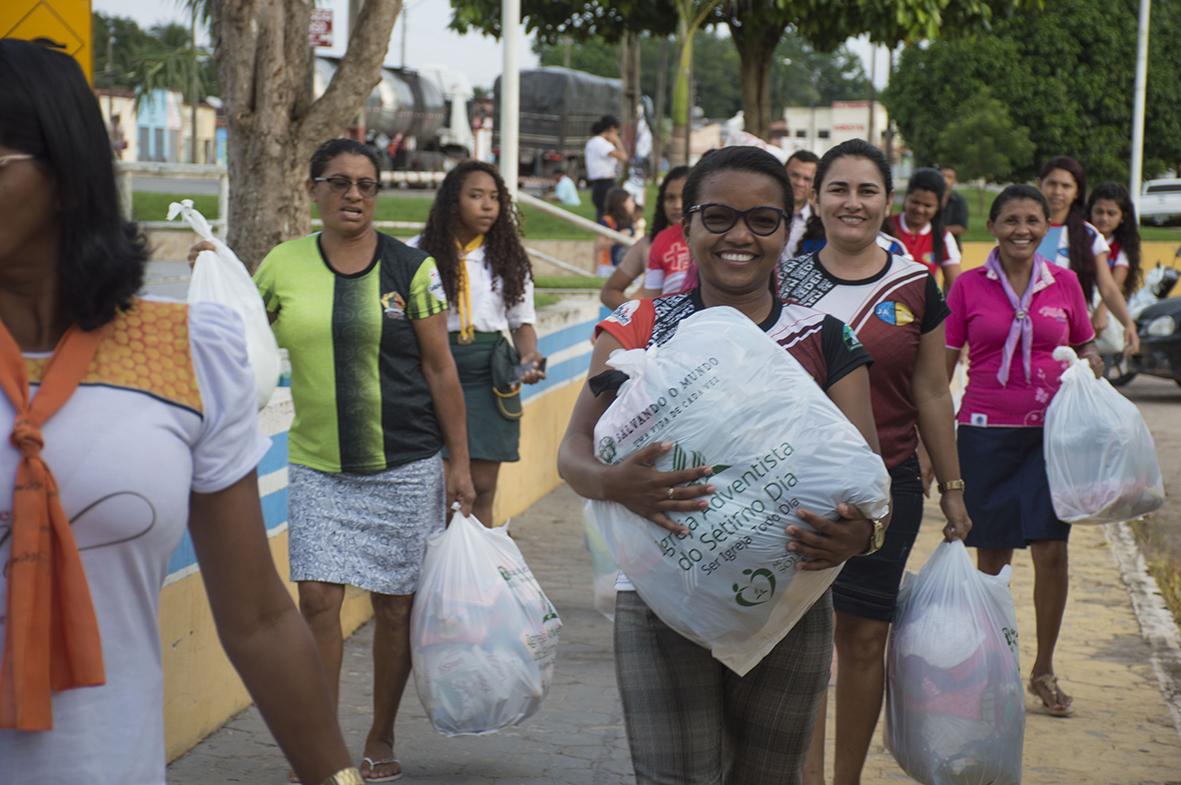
(1158, 323)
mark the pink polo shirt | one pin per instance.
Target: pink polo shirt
(981, 316)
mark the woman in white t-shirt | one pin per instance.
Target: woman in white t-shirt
(1072, 242)
(602, 151)
(1111, 211)
(472, 234)
(144, 410)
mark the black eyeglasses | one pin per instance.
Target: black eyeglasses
(342, 185)
(720, 218)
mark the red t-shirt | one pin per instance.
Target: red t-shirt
(921, 244)
(670, 267)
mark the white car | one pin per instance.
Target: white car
(1161, 201)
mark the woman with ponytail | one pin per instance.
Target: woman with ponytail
(1074, 243)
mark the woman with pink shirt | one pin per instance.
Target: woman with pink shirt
(1012, 313)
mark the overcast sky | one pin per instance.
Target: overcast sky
(428, 42)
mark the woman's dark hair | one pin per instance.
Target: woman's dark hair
(615, 205)
(741, 159)
(1012, 193)
(342, 146)
(503, 251)
(1082, 261)
(603, 123)
(931, 181)
(48, 111)
(1127, 234)
(853, 148)
(659, 219)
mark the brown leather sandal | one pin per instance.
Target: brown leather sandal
(1062, 705)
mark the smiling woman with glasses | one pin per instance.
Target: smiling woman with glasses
(689, 719)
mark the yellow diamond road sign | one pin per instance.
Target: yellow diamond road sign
(65, 22)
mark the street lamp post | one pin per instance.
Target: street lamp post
(1138, 106)
(510, 94)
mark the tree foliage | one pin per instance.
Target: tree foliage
(809, 76)
(131, 58)
(1066, 74)
(983, 142)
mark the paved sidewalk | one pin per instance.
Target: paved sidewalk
(1122, 733)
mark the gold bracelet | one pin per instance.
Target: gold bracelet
(346, 776)
(951, 485)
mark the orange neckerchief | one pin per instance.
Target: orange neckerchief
(467, 328)
(51, 641)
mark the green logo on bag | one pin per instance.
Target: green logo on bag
(607, 451)
(760, 588)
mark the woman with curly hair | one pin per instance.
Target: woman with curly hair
(472, 234)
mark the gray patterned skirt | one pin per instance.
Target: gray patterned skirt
(364, 530)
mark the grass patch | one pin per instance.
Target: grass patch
(150, 206)
(541, 300)
(568, 282)
(1162, 553)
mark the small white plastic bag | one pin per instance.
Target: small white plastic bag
(220, 277)
(604, 569)
(1100, 457)
(728, 396)
(483, 635)
(955, 712)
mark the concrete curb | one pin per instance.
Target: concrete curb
(1156, 622)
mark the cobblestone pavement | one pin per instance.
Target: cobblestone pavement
(1122, 733)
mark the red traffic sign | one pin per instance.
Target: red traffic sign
(320, 27)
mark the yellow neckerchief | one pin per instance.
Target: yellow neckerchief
(467, 328)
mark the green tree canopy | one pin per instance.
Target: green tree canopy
(983, 142)
(1065, 74)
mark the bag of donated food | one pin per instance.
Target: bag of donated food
(220, 277)
(955, 712)
(483, 635)
(728, 396)
(1100, 458)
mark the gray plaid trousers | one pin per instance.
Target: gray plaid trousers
(692, 721)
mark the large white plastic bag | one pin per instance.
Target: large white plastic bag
(955, 713)
(728, 396)
(1100, 458)
(483, 635)
(220, 277)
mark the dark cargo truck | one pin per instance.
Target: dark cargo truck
(558, 108)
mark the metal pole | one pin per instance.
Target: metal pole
(510, 94)
(405, 27)
(1138, 106)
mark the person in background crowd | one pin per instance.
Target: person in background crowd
(602, 152)
(955, 208)
(897, 311)
(1072, 242)
(363, 318)
(1111, 212)
(565, 191)
(472, 234)
(1012, 313)
(920, 226)
(118, 138)
(144, 411)
(666, 213)
(689, 719)
(801, 169)
(620, 216)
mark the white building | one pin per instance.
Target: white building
(821, 127)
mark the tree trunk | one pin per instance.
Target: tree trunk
(678, 153)
(264, 66)
(756, 41)
(629, 68)
(658, 121)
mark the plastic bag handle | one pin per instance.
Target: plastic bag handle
(185, 209)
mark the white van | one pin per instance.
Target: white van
(1160, 201)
